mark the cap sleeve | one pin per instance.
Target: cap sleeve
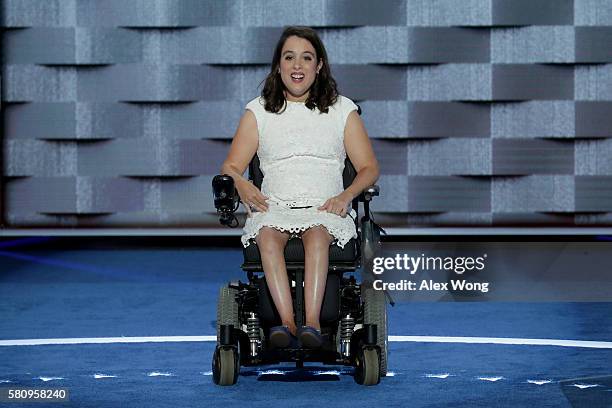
(346, 107)
(256, 106)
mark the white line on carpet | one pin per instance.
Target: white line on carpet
(414, 339)
(504, 340)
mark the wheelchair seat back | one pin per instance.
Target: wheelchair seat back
(256, 175)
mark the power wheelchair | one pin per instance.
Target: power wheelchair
(353, 315)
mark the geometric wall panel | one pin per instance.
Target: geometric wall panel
(439, 193)
(71, 45)
(154, 83)
(592, 13)
(126, 82)
(79, 195)
(448, 13)
(385, 119)
(529, 194)
(322, 13)
(593, 44)
(593, 119)
(525, 81)
(392, 155)
(524, 157)
(593, 82)
(529, 12)
(39, 158)
(72, 120)
(406, 45)
(152, 158)
(135, 13)
(533, 119)
(481, 112)
(453, 156)
(108, 120)
(449, 82)
(210, 119)
(155, 13)
(373, 82)
(38, 13)
(594, 157)
(533, 44)
(448, 119)
(201, 45)
(187, 13)
(396, 119)
(190, 195)
(593, 193)
(393, 194)
(29, 83)
(449, 44)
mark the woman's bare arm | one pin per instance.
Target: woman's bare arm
(243, 148)
(359, 150)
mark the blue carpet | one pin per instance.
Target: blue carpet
(162, 292)
(190, 382)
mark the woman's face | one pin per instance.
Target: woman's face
(298, 68)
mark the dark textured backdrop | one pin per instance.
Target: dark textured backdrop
(482, 112)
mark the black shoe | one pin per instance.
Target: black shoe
(310, 337)
(281, 337)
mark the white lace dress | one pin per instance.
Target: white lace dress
(301, 155)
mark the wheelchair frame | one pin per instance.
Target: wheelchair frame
(353, 316)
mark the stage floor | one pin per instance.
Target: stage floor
(111, 293)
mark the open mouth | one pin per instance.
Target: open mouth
(297, 78)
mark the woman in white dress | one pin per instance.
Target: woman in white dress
(302, 130)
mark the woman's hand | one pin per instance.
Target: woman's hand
(251, 197)
(338, 205)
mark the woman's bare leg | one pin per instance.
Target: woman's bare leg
(271, 243)
(316, 242)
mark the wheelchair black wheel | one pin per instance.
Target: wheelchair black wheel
(225, 365)
(375, 312)
(227, 309)
(367, 366)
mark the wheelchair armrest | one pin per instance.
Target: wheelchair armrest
(369, 192)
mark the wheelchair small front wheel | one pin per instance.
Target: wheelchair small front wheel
(225, 365)
(367, 366)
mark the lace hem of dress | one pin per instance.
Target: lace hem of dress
(341, 237)
(294, 231)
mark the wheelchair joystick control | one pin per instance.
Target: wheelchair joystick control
(347, 326)
(226, 199)
(253, 332)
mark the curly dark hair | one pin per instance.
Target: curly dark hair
(323, 92)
